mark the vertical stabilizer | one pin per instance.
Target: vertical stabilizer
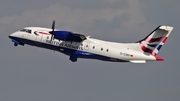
(155, 40)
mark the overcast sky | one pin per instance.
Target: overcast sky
(34, 74)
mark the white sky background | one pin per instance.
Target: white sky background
(33, 74)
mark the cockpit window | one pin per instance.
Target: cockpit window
(26, 30)
(23, 30)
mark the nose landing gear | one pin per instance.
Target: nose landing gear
(16, 43)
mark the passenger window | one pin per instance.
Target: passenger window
(101, 49)
(107, 50)
(93, 47)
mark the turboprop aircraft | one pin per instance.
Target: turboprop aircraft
(76, 45)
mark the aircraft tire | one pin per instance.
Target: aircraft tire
(15, 44)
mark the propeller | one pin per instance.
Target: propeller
(52, 32)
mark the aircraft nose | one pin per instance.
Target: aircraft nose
(13, 35)
(10, 36)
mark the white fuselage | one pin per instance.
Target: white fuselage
(89, 48)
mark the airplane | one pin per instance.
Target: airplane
(77, 45)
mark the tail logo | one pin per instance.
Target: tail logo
(155, 40)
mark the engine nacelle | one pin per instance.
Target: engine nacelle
(61, 35)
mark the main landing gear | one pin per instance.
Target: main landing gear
(15, 44)
(73, 57)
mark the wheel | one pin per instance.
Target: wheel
(15, 44)
(73, 60)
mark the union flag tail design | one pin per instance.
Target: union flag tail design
(155, 40)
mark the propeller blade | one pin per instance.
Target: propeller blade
(51, 39)
(52, 32)
(53, 25)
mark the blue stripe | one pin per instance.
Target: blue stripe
(159, 47)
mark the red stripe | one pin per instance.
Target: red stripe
(43, 33)
(155, 39)
(150, 51)
(143, 48)
(155, 54)
(159, 59)
(165, 39)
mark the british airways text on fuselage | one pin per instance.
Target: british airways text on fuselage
(65, 44)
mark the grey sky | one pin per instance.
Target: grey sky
(33, 74)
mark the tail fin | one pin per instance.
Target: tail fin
(155, 40)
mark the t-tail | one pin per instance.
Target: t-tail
(152, 44)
